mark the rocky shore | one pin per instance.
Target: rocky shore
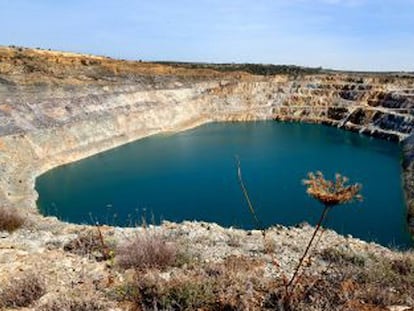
(69, 258)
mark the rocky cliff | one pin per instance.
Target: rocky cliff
(60, 107)
(408, 167)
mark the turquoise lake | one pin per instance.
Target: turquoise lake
(192, 176)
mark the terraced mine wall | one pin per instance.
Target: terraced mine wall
(408, 175)
(57, 108)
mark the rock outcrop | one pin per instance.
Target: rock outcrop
(57, 107)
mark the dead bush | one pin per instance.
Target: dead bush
(235, 284)
(379, 282)
(239, 283)
(388, 281)
(10, 219)
(146, 250)
(340, 256)
(178, 293)
(403, 266)
(89, 243)
(22, 291)
(76, 302)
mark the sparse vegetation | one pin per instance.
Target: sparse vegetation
(235, 284)
(374, 285)
(76, 302)
(10, 219)
(342, 257)
(388, 281)
(329, 193)
(151, 292)
(145, 251)
(89, 243)
(22, 291)
(240, 283)
(257, 69)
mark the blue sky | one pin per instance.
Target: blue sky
(341, 34)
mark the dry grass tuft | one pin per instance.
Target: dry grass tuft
(242, 283)
(235, 284)
(329, 192)
(342, 257)
(388, 281)
(76, 302)
(89, 243)
(187, 292)
(22, 291)
(145, 251)
(377, 282)
(10, 219)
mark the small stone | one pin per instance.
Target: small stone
(399, 308)
(4, 234)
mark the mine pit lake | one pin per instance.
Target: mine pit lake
(192, 175)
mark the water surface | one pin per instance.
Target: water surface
(192, 176)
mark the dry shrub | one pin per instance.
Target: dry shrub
(403, 266)
(239, 283)
(377, 283)
(89, 243)
(351, 283)
(76, 302)
(342, 257)
(145, 251)
(186, 292)
(22, 291)
(328, 291)
(388, 281)
(305, 295)
(235, 284)
(10, 219)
